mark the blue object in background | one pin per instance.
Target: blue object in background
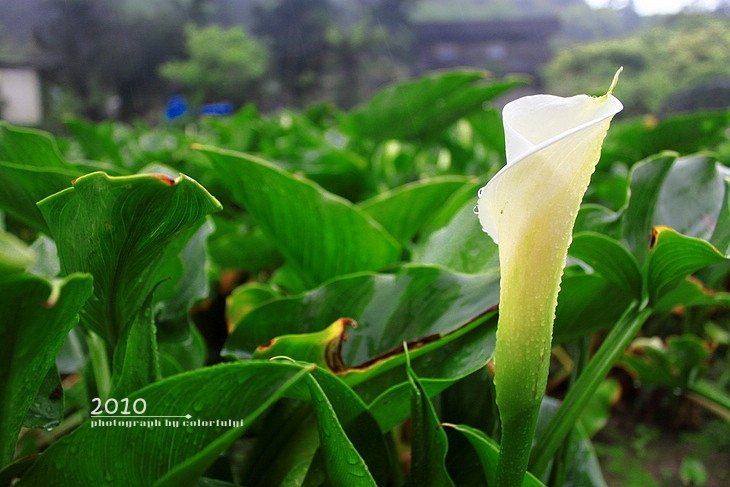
(217, 109)
(177, 106)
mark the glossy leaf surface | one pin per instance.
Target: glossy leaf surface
(320, 234)
(35, 317)
(115, 228)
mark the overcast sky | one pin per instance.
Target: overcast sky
(651, 7)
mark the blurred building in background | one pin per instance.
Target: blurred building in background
(20, 95)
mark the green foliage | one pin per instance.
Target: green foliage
(344, 240)
(320, 234)
(423, 108)
(199, 394)
(428, 463)
(126, 223)
(663, 62)
(47, 311)
(117, 54)
(222, 64)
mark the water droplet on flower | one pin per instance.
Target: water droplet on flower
(476, 210)
(480, 192)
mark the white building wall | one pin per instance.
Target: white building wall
(20, 96)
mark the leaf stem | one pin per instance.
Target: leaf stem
(711, 398)
(100, 364)
(578, 396)
(559, 468)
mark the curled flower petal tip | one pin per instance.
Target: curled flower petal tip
(553, 145)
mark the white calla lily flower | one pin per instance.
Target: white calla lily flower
(529, 208)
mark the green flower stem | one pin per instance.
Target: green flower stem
(563, 422)
(514, 447)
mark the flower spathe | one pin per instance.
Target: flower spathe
(529, 208)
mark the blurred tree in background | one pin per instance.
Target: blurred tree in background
(79, 34)
(107, 52)
(340, 51)
(104, 58)
(297, 34)
(222, 64)
(666, 63)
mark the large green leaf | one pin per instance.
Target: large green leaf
(440, 362)
(358, 423)
(587, 303)
(29, 147)
(598, 409)
(638, 217)
(117, 228)
(136, 361)
(234, 245)
(246, 298)
(185, 266)
(404, 210)
(673, 257)
(35, 317)
(230, 397)
(691, 196)
(185, 263)
(429, 443)
(684, 193)
(423, 108)
(34, 148)
(345, 467)
(454, 239)
(23, 185)
(292, 450)
(594, 301)
(320, 234)
(414, 303)
(597, 218)
(608, 258)
(488, 451)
